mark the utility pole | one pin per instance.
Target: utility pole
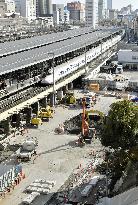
(53, 54)
(85, 60)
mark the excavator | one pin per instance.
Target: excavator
(88, 128)
(69, 99)
(36, 121)
(46, 113)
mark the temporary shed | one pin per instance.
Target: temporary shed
(7, 176)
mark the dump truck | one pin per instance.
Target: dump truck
(27, 150)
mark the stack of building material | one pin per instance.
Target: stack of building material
(29, 199)
(41, 186)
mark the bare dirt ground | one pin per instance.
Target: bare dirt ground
(58, 155)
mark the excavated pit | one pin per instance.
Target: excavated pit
(7, 151)
(73, 125)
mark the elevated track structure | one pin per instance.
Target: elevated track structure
(36, 62)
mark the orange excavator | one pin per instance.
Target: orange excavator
(84, 137)
(85, 125)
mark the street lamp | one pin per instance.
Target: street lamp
(53, 54)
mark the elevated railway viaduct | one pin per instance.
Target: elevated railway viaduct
(22, 67)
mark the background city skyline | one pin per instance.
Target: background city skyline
(117, 4)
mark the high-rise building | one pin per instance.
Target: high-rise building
(77, 11)
(91, 13)
(109, 4)
(17, 6)
(135, 27)
(45, 7)
(2, 7)
(10, 6)
(102, 9)
(6, 6)
(66, 16)
(60, 9)
(112, 14)
(56, 17)
(28, 9)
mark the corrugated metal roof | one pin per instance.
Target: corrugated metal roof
(37, 41)
(5, 168)
(31, 57)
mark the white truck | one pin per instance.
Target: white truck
(27, 150)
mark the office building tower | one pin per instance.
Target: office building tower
(6, 6)
(17, 6)
(45, 8)
(109, 4)
(102, 10)
(112, 14)
(66, 16)
(60, 9)
(28, 9)
(91, 13)
(77, 11)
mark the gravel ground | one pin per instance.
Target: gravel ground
(58, 154)
(133, 75)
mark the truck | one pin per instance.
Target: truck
(27, 150)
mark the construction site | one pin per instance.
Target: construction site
(53, 149)
(53, 115)
(60, 150)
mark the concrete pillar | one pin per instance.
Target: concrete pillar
(70, 86)
(18, 120)
(59, 94)
(52, 99)
(28, 112)
(44, 102)
(101, 47)
(6, 126)
(65, 89)
(36, 107)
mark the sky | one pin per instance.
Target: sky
(117, 4)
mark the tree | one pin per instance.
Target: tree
(121, 126)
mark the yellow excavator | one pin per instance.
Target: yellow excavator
(46, 113)
(94, 115)
(36, 121)
(69, 99)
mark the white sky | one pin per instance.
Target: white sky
(121, 3)
(117, 4)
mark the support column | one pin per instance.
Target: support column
(18, 120)
(36, 107)
(6, 126)
(44, 102)
(70, 86)
(28, 115)
(52, 99)
(65, 89)
(59, 94)
(101, 50)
